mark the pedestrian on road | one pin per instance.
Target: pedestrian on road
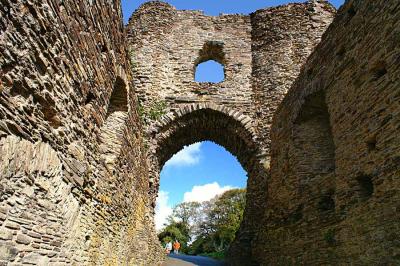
(177, 246)
(168, 247)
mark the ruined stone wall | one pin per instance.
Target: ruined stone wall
(166, 46)
(69, 195)
(75, 184)
(282, 38)
(333, 193)
(261, 54)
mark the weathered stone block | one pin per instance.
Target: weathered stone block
(7, 252)
(34, 235)
(12, 225)
(23, 239)
(6, 234)
(35, 259)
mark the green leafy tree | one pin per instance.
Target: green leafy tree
(186, 212)
(222, 218)
(175, 231)
(211, 224)
(180, 224)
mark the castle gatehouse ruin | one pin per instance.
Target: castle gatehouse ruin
(90, 110)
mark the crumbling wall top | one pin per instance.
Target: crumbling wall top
(151, 5)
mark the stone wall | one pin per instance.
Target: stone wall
(166, 45)
(69, 194)
(282, 38)
(333, 193)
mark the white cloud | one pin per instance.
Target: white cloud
(163, 209)
(205, 192)
(189, 155)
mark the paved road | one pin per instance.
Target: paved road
(184, 260)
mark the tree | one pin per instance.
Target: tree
(223, 216)
(186, 212)
(175, 231)
(180, 224)
(211, 224)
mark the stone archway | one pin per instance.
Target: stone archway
(260, 64)
(222, 125)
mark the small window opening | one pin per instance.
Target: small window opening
(90, 98)
(341, 51)
(378, 70)
(351, 11)
(371, 143)
(366, 187)
(119, 98)
(326, 202)
(209, 66)
(296, 215)
(210, 71)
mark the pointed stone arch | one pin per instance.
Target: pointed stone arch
(198, 122)
(313, 156)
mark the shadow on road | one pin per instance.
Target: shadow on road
(198, 260)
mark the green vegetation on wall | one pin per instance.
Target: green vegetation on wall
(154, 112)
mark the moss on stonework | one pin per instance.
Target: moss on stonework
(157, 110)
(329, 236)
(141, 111)
(154, 112)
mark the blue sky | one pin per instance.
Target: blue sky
(215, 7)
(202, 170)
(209, 71)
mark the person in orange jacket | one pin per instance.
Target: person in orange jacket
(176, 246)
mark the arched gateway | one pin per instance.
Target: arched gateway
(200, 122)
(230, 129)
